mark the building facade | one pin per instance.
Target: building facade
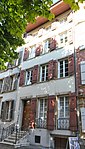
(44, 90)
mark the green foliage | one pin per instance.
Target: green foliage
(14, 16)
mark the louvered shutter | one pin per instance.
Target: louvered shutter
(33, 113)
(52, 44)
(51, 113)
(35, 74)
(73, 112)
(71, 65)
(22, 78)
(3, 111)
(70, 36)
(55, 69)
(12, 110)
(26, 54)
(52, 69)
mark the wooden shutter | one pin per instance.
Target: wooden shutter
(52, 44)
(33, 112)
(35, 74)
(22, 78)
(51, 113)
(26, 54)
(12, 110)
(52, 69)
(38, 50)
(70, 36)
(3, 111)
(73, 112)
(71, 65)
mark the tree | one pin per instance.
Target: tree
(14, 16)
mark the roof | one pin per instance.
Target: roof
(57, 9)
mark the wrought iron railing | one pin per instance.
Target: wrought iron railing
(41, 123)
(5, 132)
(63, 123)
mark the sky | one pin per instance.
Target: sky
(54, 1)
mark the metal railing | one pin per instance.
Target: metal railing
(41, 123)
(63, 123)
(5, 132)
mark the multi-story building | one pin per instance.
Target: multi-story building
(44, 90)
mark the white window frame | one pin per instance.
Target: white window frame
(64, 38)
(59, 107)
(8, 110)
(45, 72)
(44, 109)
(32, 51)
(28, 81)
(63, 68)
(82, 67)
(46, 46)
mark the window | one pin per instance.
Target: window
(63, 68)
(42, 113)
(32, 52)
(7, 110)
(37, 139)
(46, 46)
(63, 107)
(20, 57)
(43, 73)
(1, 85)
(63, 20)
(28, 77)
(63, 39)
(8, 82)
(42, 109)
(82, 66)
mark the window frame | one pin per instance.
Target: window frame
(63, 69)
(44, 77)
(28, 81)
(64, 107)
(82, 64)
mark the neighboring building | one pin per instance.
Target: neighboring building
(44, 90)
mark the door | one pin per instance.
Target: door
(60, 143)
(26, 115)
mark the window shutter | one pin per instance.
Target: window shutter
(26, 54)
(52, 44)
(38, 50)
(12, 110)
(71, 65)
(33, 113)
(22, 78)
(35, 74)
(51, 113)
(73, 112)
(3, 111)
(70, 36)
(52, 69)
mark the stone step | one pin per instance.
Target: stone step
(9, 140)
(6, 145)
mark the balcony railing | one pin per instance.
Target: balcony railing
(41, 123)
(63, 123)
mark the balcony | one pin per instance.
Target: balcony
(63, 123)
(41, 123)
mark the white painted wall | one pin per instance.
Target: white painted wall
(56, 54)
(53, 87)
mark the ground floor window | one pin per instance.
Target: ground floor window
(7, 110)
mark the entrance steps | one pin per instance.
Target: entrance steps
(10, 141)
